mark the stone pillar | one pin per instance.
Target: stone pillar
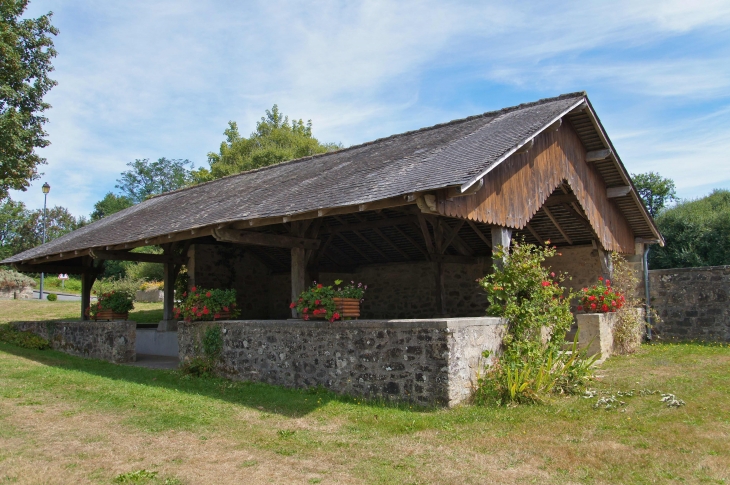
(501, 236)
(298, 275)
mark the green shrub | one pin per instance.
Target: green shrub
(629, 327)
(52, 297)
(127, 286)
(27, 340)
(204, 365)
(537, 310)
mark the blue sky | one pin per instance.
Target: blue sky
(141, 79)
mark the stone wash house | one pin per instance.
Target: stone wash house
(414, 215)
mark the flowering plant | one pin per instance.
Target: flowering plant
(318, 301)
(601, 298)
(203, 304)
(116, 301)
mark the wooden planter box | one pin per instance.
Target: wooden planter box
(110, 315)
(346, 307)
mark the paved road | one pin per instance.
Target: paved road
(61, 296)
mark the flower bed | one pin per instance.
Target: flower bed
(113, 305)
(330, 303)
(601, 298)
(207, 304)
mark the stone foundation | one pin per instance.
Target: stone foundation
(110, 341)
(692, 303)
(428, 362)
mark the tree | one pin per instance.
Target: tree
(275, 140)
(22, 229)
(697, 233)
(26, 50)
(145, 178)
(110, 204)
(655, 190)
(12, 215)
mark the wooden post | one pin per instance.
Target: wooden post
(501, 236)
(298, 277)
(440, 289)
(168, 300)
(87, 281)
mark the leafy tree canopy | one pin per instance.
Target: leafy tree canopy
(22, 229)
(655, 190)
(110, 204)
(145, 178)
(275, 140)
(697, 233)
(26, 50)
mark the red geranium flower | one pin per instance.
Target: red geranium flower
(194, 289)
(306, 310)
(292, 305)
(319, 286)
(604, 307)
(225, 308)
(336, 316)
(600, 278)
(207, 294)
(591, 297)
(593, 306)
(545, 283)
(317, 302)
(205, 310)
(580, 308)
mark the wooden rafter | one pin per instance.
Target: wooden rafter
(557, 224)
(479, 233)
(532, 230)
(426, 234)
(366, 241)
(412, 241)
(385, 238)
(452, 237)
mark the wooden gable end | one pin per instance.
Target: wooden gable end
(516, 189)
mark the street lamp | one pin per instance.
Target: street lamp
(46, 188)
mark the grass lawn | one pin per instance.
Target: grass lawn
(33, 310)
(68, 420)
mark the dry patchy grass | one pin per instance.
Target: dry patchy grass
(69, 420)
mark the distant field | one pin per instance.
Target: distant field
(68, 420)
(33, 310)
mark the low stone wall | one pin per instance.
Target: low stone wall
(429, 362)
(692, 303)
(110, 341)
(24, 293)
(150, 296)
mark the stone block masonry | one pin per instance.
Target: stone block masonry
(428, 362)
(110, 341)
(693, 303)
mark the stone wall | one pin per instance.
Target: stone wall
(110, 341)
(429, 362)
(692, 303)
(580, 262)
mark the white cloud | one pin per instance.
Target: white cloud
(151, 79)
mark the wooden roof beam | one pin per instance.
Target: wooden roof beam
(480, 233)
(56, 268)
(614, 192)
(532, 230)
(598, 155)
(139, 257)
(264, 239)
(557, 225)
(366, 241)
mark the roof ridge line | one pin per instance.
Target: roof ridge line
(397, 135)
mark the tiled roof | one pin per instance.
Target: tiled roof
(440, 156)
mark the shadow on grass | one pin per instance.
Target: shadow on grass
(264, 397)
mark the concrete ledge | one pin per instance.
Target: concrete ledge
(428, 362)
(150, 341)
(595, 333)
(111, 341)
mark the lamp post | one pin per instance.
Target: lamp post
(46, 188)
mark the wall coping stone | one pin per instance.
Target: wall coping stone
(437, 323)
(687, 270)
